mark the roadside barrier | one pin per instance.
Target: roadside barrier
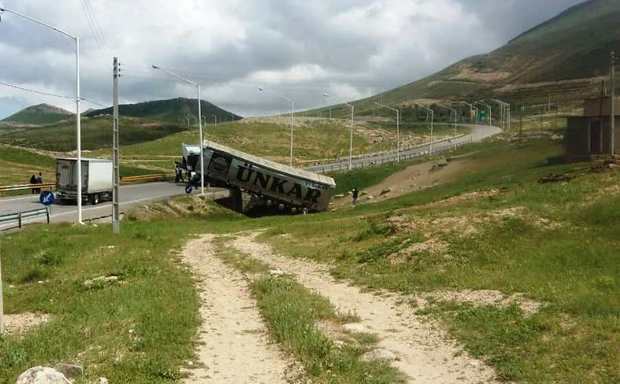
(19, 217)
(22, 187)
(145, 178)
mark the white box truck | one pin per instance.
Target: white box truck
(96, 180)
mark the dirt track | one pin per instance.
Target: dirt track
(419, 348)
(234, 345)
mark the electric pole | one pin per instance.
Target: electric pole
(115, 155)
(612, 112)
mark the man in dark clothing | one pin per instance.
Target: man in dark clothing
(355, 194)
(39, 180)
(33, 180)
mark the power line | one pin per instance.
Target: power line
(43, 93)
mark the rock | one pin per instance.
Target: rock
(385, 191)
(379, 354)
(70, 371)
(355, 327)
(42, 375)
(276, 272)
(101, 280)
(103, 380)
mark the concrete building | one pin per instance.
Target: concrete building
(589, 135)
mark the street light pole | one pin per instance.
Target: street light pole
(351, 134)
(326, 96)
(197, 85)
(505, 108)
(397, 128)
(612, 111)
(292, 121)
(78, 129)
(432, 114)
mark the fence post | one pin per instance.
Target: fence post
(47, 213)
(19, 220)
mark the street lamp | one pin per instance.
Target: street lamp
(326, 96)
(452, 111)
(472, 108)
(432, 115)
(78, 129)
(292, 119)
(215, 119)
(197, 85)
(505, 112)
(351, 134)
(397, 128)
(490, 111)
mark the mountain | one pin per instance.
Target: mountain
(564, 58)
(172, 111)
(39, 115)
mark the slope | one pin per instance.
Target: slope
(563, 57)
(171, 111)
(38, 115)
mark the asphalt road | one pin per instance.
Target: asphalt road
(130, 195)
(478, 133)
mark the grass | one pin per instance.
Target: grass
(572, 268)
(294, 325)
(139, 330)
(96, 134)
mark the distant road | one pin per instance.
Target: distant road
(478, 133)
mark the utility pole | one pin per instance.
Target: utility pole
(521, 122)
(351, 135)
(612, 111)
(397, 110)
(116, 227)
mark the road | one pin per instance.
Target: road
(130, 195)
(478, 133)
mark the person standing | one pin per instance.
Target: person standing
(39, 180)
(355, 194)
(33, 180)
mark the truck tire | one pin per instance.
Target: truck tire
(94, 199)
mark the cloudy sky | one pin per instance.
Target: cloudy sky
(297, 48)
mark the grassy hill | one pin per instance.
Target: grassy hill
(39, 115)
(563, 58)
(170, 111)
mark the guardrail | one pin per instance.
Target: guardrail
(21, 187)
(19, 217)
(145, 178)
(375, 159)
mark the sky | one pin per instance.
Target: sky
(296, 49)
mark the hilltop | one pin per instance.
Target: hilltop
(171, 111)
(564, 58)
(39, 115)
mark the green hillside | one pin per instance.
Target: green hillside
(171, 111)
(39, 115)
(562, 59)
(96, 133)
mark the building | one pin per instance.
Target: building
(589, 135)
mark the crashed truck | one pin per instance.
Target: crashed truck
(265, 182)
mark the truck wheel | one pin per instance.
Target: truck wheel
(94, 199)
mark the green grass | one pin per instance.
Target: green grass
(96, 133)
(366, 177)
(39, 115)
(572, 268)
(294, 325)
(139, 330)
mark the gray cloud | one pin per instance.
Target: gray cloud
(349, 48)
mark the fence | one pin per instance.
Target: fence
(22, 187)
(145, 178)
(19, 217)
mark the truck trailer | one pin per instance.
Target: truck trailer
(96, 180)
(267, 182)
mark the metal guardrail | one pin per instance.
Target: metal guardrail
(375, 159)
(145, 178)
(19, 217)
(21, 187)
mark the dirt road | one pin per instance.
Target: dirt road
(234, 345)
(417, 347)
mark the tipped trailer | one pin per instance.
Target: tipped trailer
(96, 180)
(267, 182)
